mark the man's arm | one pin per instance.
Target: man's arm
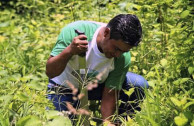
(108, 105)
(55, 65)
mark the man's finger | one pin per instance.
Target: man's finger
(82, 37)
(83, 46)
(83, 42)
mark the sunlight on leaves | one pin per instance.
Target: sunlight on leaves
(181, 120)
(129, 92)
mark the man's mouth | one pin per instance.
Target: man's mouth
(111, 55)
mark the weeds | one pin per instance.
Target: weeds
(28, 31)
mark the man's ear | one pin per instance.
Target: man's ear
(107, 32)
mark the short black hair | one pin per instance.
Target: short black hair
(126, 27)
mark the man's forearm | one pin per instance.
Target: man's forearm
(108, 103)
(55, 65)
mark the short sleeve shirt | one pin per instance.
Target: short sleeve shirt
(96, 62)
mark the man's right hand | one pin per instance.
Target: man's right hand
(56, 65)
(79, 45)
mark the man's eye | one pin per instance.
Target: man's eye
(116, 49)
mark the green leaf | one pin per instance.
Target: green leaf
(188, 104)
(3, 81)
(150, 120)
(150, 74)
(152, 83)
(15, 77)
(144, 71)
(60, 121)
(191, 70)
(180, 81)
(163, 62)
(51, 114)
(189, 115)
(23, 70)
(175, 101)
(129, 92)
(93, 123)
(3, 73)
(192, 123)
(29, 121)
(130, 121)
(184, 101)
(4, 121)
(185, 13)
(36, 85)
(5, 24)
(26, 78)
(180, 120)
(137, 6)
(183, 80)
(22, 96)
(2, 38)
(6, 99)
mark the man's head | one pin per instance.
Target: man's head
(125, 27)
(121, 34)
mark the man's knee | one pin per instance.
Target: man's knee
(135, 80)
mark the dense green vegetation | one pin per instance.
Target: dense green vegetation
(29, 29)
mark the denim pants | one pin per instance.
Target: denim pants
(132, 80)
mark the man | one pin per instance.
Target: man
(106, 46)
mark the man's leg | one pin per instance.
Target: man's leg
(130, 103)
(59, 96)
(96, 93)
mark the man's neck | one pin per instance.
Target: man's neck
(99, 38)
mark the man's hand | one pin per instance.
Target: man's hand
(79, 45)
(56, 65)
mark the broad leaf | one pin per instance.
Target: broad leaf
(29, 121)
(163, 62)
(175, 101)
(60, 121)
(129, 92)
(180, 120)
(191, 70)
(185, 13)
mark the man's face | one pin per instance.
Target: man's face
(114, 48)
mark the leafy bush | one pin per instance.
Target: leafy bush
(28, 31)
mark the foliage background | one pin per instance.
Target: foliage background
(28, 31)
